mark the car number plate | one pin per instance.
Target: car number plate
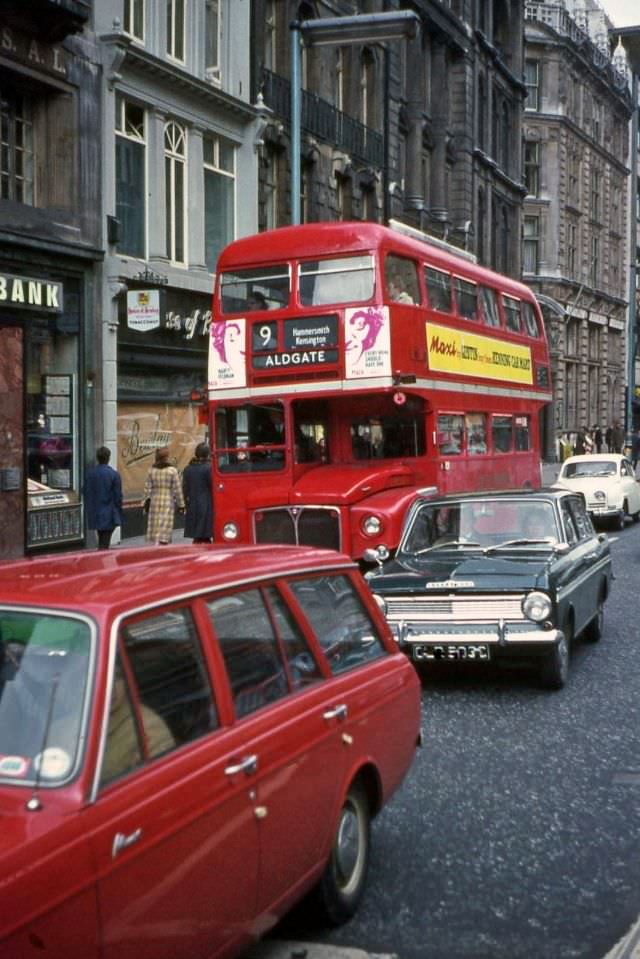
(469, 652)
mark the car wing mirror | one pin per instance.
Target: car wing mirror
(377, 555)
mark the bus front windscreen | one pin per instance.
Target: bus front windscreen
(250, 438)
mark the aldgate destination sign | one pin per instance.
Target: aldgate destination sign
(307, 342)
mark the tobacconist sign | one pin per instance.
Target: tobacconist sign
(27, 293)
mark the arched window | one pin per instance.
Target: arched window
(175, 155)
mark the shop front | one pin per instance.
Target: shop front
(40, 428)
(163, 338)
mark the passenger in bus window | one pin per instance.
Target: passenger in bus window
(257, 301)
(397, 292)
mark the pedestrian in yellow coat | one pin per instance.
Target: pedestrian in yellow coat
(162, 494)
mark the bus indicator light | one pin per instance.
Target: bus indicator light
(399, 398)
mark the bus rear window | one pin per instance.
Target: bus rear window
(348, 279)
(260, 288)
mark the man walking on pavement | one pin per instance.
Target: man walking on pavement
(103, 498)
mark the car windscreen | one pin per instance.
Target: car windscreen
(44, 678)
(480, 524)
(589, 468)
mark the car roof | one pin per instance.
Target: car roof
(588, 457)
(544, 492)
(97, 580)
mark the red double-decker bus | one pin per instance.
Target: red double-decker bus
(351, 365)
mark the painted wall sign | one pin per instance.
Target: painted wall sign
(28, 293)
(367, 342)
(33, 53)
(468, 354)
(143, 310)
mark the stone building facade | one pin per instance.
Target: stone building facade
(575, 226)
(425, 130)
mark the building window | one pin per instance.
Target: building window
(574, 180)
(482, 113)
(219, 196)
(369, 205)
(212, 40)
(531, 245)
(271, 192)
(367, 89)
(306, 180)
(480, 221)
(596, 194)
(571, 395)
(594, 342)
(532, 168)
(593, 398)
(594, 272)
(614, 262)
(134, 18)
(572, 337)
(16, 147)
(130, 177)
(175, 153)
(505, 138)
(344, 197)
(175, 29)
(341, 77)
(270, 36)
(532, 82)
(572, 250)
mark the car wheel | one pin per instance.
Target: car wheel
(618, 520)
(555, 668)
(635, 516)
(593, 630)
(342, 883)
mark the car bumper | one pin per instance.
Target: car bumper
(475, 642)
(604, 512)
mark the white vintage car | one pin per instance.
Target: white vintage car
(608, 483)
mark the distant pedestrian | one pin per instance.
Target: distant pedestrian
(617, 438)
(196, 486)
(103, 498)
(578, 446)
(597, 438)
(163, 493)
(588, 442)
(608, 439)
(635, 447)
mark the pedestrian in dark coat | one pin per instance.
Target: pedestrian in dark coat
(103, 498)
(635, 447)
(608, 438)
(617, 438)
(196, 486)
(597, 438)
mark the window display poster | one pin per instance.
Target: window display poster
(142, 429)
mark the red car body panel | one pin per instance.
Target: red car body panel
(180, 858)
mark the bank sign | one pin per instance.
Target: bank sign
(27, 293)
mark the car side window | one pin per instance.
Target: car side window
(581, 518)
(161, 692)
(570, 531)
(250, 650)
(346, 633)
(303, 669)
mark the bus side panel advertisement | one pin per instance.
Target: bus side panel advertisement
(468, 354)
(227, 355)
(367, 342)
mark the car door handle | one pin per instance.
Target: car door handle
(338, 712)
(248, 765)
(120, 841)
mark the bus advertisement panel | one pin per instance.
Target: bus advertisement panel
(351, 365)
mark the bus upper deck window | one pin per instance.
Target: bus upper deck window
(347, 279)
(259, 288)
(401, 279)
(512, 314)
(530, 319)
(438, 289)
(489, 306)
(502, 433)
(466, 297)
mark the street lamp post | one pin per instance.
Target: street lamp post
(335, 31)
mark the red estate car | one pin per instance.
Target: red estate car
(191, 739)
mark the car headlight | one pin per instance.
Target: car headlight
(600, 496)
(381, 603)
(230, 531)
(536, 606)
(372, 525)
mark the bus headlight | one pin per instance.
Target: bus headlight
(536, 606)
(372, 525)
(229, 532)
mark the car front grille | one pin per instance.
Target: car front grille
(462, 609)
(300, 525)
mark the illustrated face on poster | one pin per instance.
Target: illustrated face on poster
(227, 355)
(367, 342)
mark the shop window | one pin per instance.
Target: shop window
(130, 177)
(219, 196)
(450, 433)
